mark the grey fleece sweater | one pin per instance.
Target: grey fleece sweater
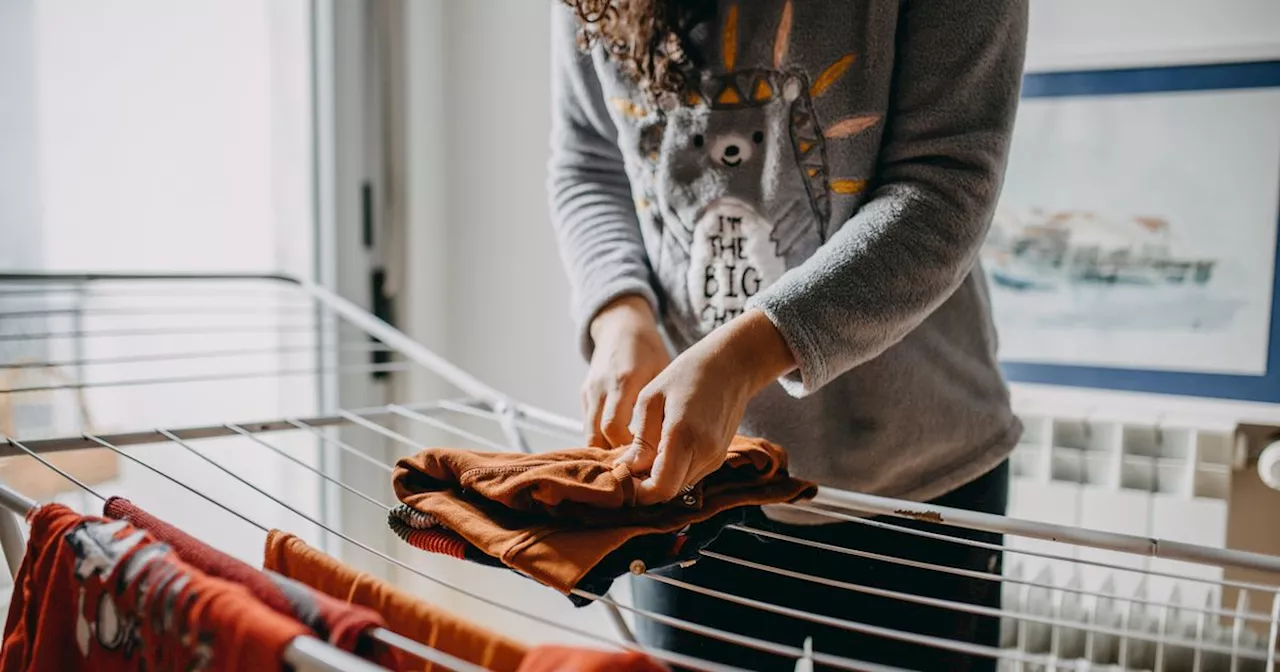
(836, 165)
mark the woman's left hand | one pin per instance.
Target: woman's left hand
(685, 418)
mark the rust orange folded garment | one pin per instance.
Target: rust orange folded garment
(556, 516)
(403, 613)
(341, 624)
(101, 595)
(551, 658)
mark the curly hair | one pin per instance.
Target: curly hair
(649, 39)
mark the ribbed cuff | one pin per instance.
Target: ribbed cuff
(811, 372)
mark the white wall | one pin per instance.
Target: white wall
(484, 285)
(508, 318)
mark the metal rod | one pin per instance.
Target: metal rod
(475, 411)
(1020, 551)
(855, 502)
(211, 377)
(1114, 541)
(375, 427)
(58, 470)
(900, 504)
(77, 349)
(16, 506)
(249, 435)
(1273, 638)
(511, 428)
(342, 445)
(549, 419)
(1197, 656)
(448, 427)
(1219, 557)
(975, 574)
(619, 622)
(175, 481)
(609, 603)
(382, 635)
(199, 291)
(12, 542)
(424, 652)
(958, 606)
(310, 654)
(961, 607)
(81, 278)
(163, 331)
(16, 501)
(1237, 630)
(302, 653)
(183, 356)
(158, 310)
(658, 654)
(956, 517)
(956, 646)
(208, 431)
(406, 346)
(742, 640)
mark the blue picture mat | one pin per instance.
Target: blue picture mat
(1254, 75)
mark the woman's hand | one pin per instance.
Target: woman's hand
(628, 353)
(686, 417)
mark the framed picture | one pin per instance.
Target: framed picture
(1135, 244)
(1070, 35)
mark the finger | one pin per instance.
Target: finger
(670, 469)
(646, 431)
(639, 458)
(709, 461)
(615, 417)
(593, 410)
(702, 470)
(631, 457)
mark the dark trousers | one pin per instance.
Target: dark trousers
(988, 493)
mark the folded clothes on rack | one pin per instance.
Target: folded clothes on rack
(101, 595)
(404, 614)
(569, 518)
(343, 625)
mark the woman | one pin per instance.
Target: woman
(794, 193)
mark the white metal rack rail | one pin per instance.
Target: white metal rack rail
(67, 341)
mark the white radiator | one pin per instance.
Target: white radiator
(1154, 480)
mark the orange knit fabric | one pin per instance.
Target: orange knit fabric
(403, 613)
(569, 659)
(554, 516)
(100, 595)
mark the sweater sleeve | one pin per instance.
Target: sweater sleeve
(956, 82)
(592, 208)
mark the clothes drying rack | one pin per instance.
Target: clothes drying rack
(158, 326)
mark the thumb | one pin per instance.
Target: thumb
(646, 428)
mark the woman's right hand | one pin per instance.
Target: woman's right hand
(629, 352)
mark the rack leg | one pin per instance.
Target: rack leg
(12, 540)
(619, 622)
(507, 418)
(1272, 643)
